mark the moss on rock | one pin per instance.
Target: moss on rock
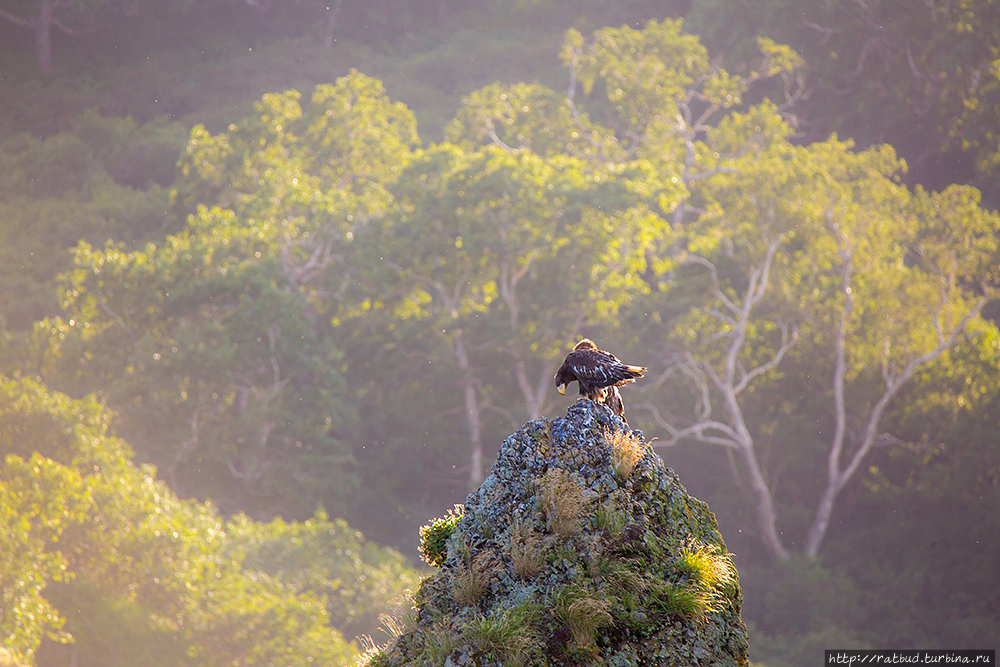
(566, 557)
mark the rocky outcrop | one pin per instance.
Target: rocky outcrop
(580, 548)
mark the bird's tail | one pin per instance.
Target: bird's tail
(627, 374)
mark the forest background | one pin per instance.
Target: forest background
(275, 273)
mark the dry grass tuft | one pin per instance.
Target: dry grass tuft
(626, 452)
(470, 583)
(525, 550)
(372, 655)
(584, 613)
(562, 501)
(401, 619)
(402, 616)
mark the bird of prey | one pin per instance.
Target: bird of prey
(598, 373)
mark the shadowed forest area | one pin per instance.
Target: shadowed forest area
(280, 275)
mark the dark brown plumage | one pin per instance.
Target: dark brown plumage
(598, 373)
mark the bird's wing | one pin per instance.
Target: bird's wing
(601, 369)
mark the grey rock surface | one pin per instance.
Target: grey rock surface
(580, 548)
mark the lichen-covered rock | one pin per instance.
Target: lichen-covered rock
(580, 548)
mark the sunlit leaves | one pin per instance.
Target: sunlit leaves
(830, 204)
(321, 168)
(357, 579)
(779, 57)
(533, 117)
(39, 501)
(215, 342)
(644, 72)
(95, 550)
(213, 356)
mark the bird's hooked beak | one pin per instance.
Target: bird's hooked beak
(561, 388)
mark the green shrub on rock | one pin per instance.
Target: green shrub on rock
(434, 536)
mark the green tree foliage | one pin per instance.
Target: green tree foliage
(100, 555)
(219, 339)
(37, 501)
(921, 76)
(329, 313)
(471, 265)
(848, 237)
(222, 364)
(323, 167)
(802, 607)
(359, 580)
(100, 178)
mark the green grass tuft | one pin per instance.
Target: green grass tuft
(608, 520)
(438, 643)
(681, 601)
(508, 634)
(710, 568)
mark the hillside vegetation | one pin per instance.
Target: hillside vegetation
(319, 259)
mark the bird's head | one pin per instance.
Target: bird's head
(563, 377)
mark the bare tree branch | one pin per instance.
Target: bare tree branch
(24, 23)
(787, 342)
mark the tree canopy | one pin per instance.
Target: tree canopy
(99, 553)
